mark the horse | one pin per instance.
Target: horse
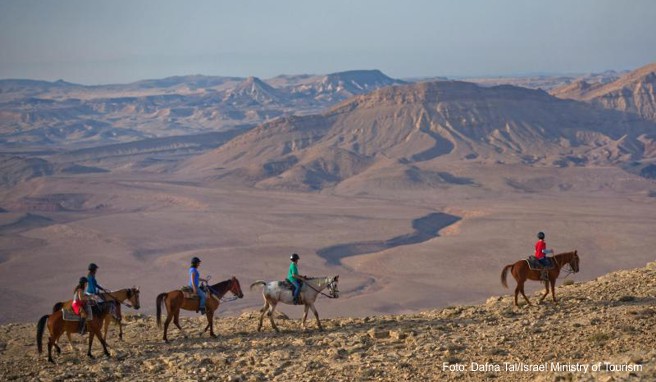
(175, 301)
(58, 326)
(274, 292)
(119, 296)
(521, 272)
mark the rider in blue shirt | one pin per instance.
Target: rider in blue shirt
(194, 281)
(93, 288)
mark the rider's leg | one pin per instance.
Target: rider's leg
(201, 295)
(297, 290)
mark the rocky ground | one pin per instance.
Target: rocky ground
(606, 324)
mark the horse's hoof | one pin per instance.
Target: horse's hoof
(213, 335)
(91, 356)
(51, 361)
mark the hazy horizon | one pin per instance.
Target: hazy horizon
(121, 41)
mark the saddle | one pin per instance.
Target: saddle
(188, 292)
(536, 265)
(287, 285)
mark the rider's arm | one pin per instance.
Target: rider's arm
(193, 282)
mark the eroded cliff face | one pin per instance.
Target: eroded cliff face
(633, 93)
(607, 322)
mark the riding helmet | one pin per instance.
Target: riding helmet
(294, 257)
(195, 260)
(541, 235)
(83, 280)
(93, 267)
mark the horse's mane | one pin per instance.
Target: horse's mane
(221, 287)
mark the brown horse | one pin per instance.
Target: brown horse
(521, 272)
(175, 301)
(119, 296)
(57, 326)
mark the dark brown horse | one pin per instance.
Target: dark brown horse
(521, 272)
(175, 301)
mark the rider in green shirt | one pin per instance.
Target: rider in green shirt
(294, 278)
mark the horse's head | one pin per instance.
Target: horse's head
(133, 297)
(332, 287)
(235, 288)
(574, 262)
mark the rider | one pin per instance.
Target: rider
(93, 288)
(541, 253)
(294, 278)
(79, 302)
(194, 280)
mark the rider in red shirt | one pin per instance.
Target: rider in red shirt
(541, 252)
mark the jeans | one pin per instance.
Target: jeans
(297, 288)
(201, 295)
(545, 261)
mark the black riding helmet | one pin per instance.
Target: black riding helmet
(541, 235)
(83, 280)
(93, 267)
(195, 261)
(294, 257)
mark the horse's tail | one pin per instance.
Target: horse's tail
(160, 299)
(57, 306)
(504, 274)
(40, 328)
(258, 282)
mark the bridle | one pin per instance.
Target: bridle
(570, 268)
(223, 298)
(332, 286)
(129, 292)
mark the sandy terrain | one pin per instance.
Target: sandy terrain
(142, 229)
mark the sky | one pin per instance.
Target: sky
(100, 42)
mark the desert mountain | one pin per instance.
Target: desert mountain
(60, 113)
(633, 93)
(399, 128)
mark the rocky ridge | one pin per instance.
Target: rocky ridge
(608, 323)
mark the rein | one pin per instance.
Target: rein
(569, 270)
(109, 294)
(318, 291)
(221, 297)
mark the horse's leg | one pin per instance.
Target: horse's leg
(553, 285)
(307, 307)
(102, 340)
(273, 324)
(169, 317)
(52, 342)
(120, 330)
(210, 322)
(263, 311)
(91, 334)
(106, 325)
(520, 286)
(316, 314)
(546, 291)
(70, 342)
(176, 322)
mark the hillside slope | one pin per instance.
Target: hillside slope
(395, 128)
(634, 92)
(608, 320)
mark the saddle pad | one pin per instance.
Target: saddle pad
(69, 315)
(534, 263)
(188, 293)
